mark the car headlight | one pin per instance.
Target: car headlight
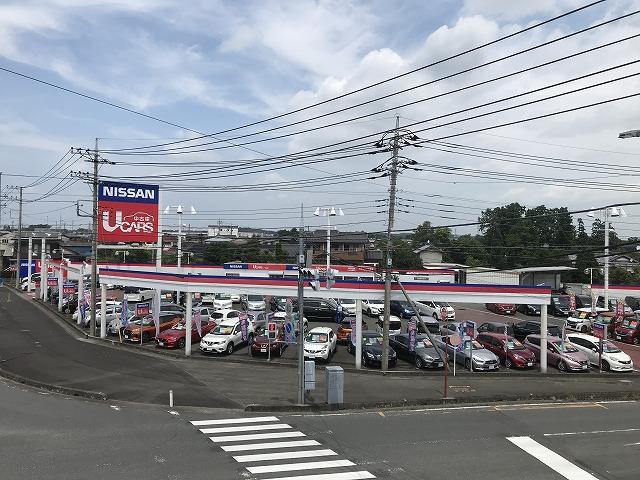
(370, 355)
(428, 358)
(478, 361)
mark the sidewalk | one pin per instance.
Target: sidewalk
(37, 345)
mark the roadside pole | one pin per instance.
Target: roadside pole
(19, 249)
(60, 290)
(301, 332)
(94, 247)
(29, 260)
(103, 310)
(358, 333)
(470, 354)
(43, 270)
(601, 346)
(80, 288)
(189, 323)
(44, 279)
(543, 338)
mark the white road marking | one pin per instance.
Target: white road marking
(631, 444)
(592, 432)
(551, 459)
(256, 436)
(245, 428)
(330, 476)
(289, 467)
(228, 421)
(270, 445)
(259, 457)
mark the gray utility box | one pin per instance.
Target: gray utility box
(309, 375)
(335, 385)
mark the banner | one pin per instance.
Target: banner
(142, 309)
(128, 212)
(52, 281)
(156, 311)
(412, 328)
(244, 326)
(124, 316)
(68, 289)
(197, 318)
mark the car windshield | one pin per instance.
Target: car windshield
(395, 325)
(216, 315)
(476, 345)
(254, 298)
(372, 341)
(514, 344)
(179, 326)
(347, 301)
(561, 301)
(223, 330)
(565, 347)
(345, 324)
(609, 347)
(631, 323)
(222, 296)
(315, 337)
(442, 304)
(604, 319)
(405, 305)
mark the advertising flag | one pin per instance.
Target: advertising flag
(125, 312)
(197, 318)
(412, 327)
(142, 309)
(128, 212)
(156, 311)
(244, 326)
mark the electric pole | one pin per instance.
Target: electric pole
(94, 244)
(0, 200)
(19, 240)
(301, 333)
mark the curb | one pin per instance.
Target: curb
(75, 392)
(504, 399)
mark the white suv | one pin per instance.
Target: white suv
(225, 337)
(433, 309)
(222, 301)
(320, 343)
(613, 359)
(373, 308)
(348, 306)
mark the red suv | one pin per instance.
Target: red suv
(628, 331)
(515, 355)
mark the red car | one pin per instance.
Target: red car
(344, 330)
(628, 331)
(261, 344)
(516, 355)
(501, 308)
(176, 337)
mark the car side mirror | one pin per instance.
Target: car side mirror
(595, 349)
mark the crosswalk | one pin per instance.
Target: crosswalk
(265, 446)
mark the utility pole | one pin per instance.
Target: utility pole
(0, 200)
(301, 333)
(19, 239)
(387, 278)
(94, 245)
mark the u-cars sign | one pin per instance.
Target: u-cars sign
(128, 212)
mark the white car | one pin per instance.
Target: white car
(135, 294)
(110, 310)
(222, 301)
(582, 321)
(395, 325)
(222, 315)
(432, 309)
(320, 344)
(373, 308)
(613, 359)
(225, 337)
(280, 316)
(255, 302)
(235, 297)
(348, 306)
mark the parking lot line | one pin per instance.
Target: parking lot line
(230, 421)
(290, 467)
(592, 432)
(265, 446)
(547, 406)
(551, 459)
(256, 436)
(259, 457)
(331, 476)
(245, 428)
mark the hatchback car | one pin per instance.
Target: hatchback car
(508, 349)
(320, 344)
(402, 309)
(146, 326)
(613, 359)
(433, 309)
(176, 336)
(470, 352)
(253, 302)
(424, 354)
(222, 301)
(395, 325)
(522, 329)
(528, 309)
(496, 327)
(262, 345)
(348, 306)
(563, 354)
(560, 305)
(344, 329)
(628, 331)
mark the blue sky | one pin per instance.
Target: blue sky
(213, 65)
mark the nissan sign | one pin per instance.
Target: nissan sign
(128, 212)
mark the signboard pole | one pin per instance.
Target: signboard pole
(358, 333)
(454, 360)
(80, 286)
(29, 259)
(103, 310)
(543, 338)
(43, 267)
(301, 265)
(600, 355)
(60, 287)
(189, 323)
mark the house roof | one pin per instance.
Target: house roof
(427, 246)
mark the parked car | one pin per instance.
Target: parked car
(527, 327)
(277, 304)
(318, 309)
(583, 301)
(628, 331)
(560, 305)
(501, 308)
(471, 352)
(611, 321)
(424, 355)
(450, 328)
(222, 301)
(147, 326)
(496, 327)
(372, 350)
(344, 329)
(402, 309)
(109, 303)
(611, 306)
(176, 336)
(560, 353)
(580, 322)
(613, 359)
(508, 349)
(220, 316)
(136, 294)
(172, 307)
(262, 345)
(528, 309)
(433, 309)
(395, 325)
(253, 302)
(431, 323)
(632, 302)
(205, 312)
(225, 336)
(235, 297)
(373, 308)
(348, 306)
(320, 343)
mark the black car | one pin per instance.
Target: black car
(560, 305)
(278, 304)
(424, 355)
(583, 301)
(70, 303)
(632, 302)
(522, 329)
(432, 325)
(528, 309)
(372, 350)
(496, 327)
(318, 309)
(401, 309)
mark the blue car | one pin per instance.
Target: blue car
(401, 309)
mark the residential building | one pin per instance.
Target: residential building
(429, 254)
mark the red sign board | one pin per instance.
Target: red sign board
(52, 281)
(572, 303)
(127, 212)
(619, 309)
(599, 330)
(443, 313)
(68, 289)
(143, 309)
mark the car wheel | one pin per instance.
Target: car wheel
(365, 362)
(280, 351)
(435, 316)
(146, 337)
(181, 343)
(467, 364)
(561, 366)
(635, 341)
(605, 366)
(584, 329)
(349, 347)
(418, 363)
(230, 348)
(508, 363)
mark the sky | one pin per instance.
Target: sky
(210, 66)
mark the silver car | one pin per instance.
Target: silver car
(483, 359)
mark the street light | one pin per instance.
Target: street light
(124, 255)
(180, 224)
(328, 212)
(608, 213)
